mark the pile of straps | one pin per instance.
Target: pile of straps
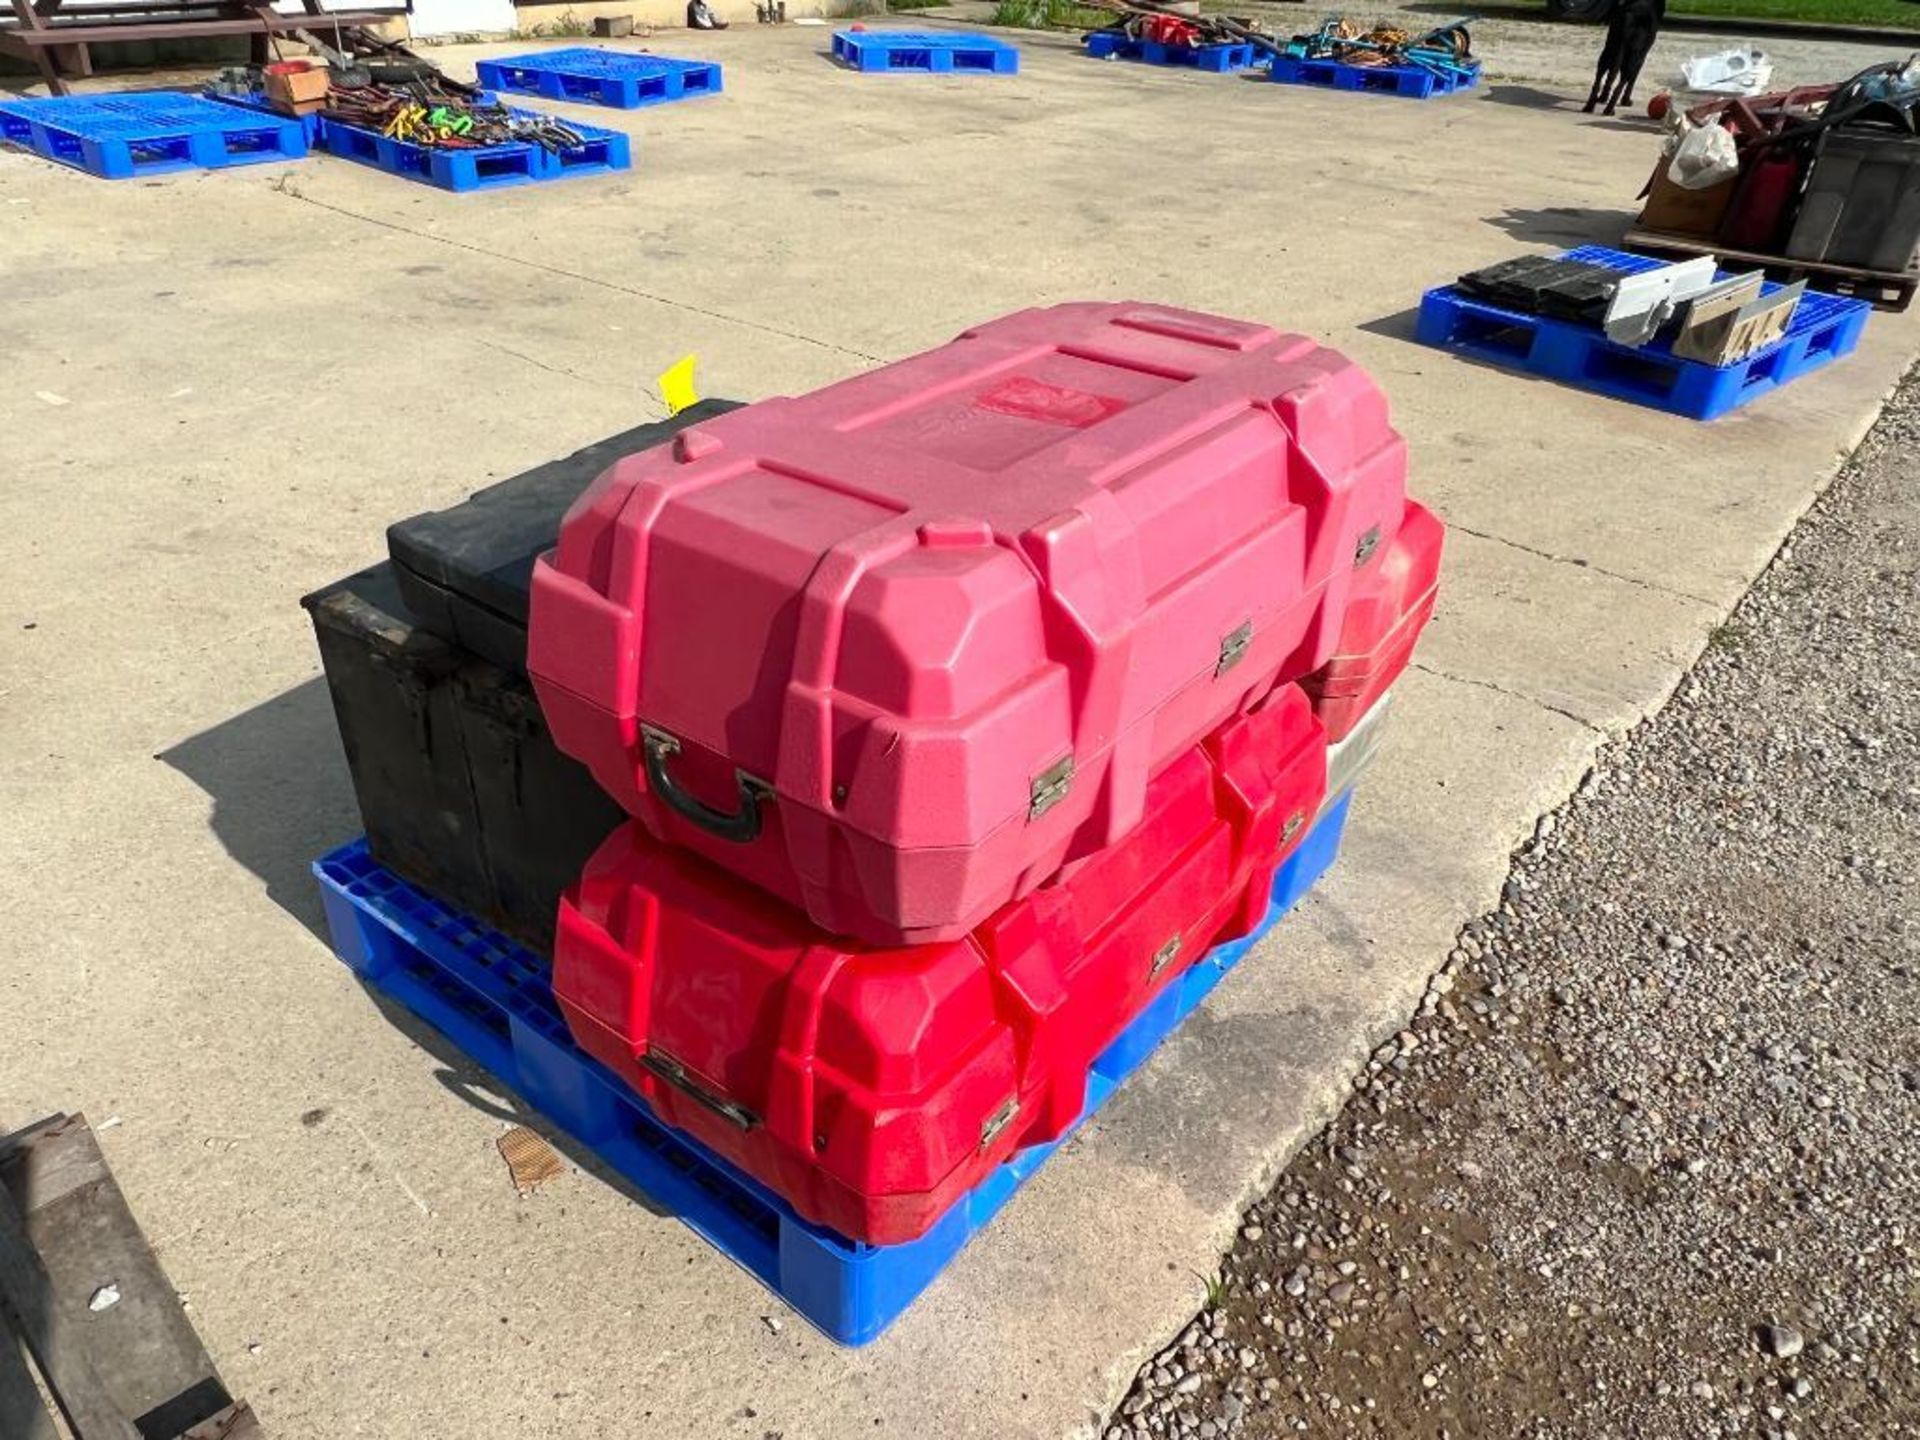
(436, 113)
(1444, 49)
(1160, 24)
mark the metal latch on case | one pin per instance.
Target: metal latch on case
(1164, 956)
(1050, 787)
(675, 1074)
(1233, 646)
(999, 1120)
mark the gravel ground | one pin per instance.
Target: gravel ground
(1647, 1162)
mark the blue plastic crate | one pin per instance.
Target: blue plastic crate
(601, 77)
(1217, 59)
(148, 132)
(1409, 82)
(492, 997)
(1823, 328)
(948, 52)
(483, 168)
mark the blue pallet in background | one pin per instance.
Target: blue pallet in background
(874, 52)
(601, 77)
(1823, 328)
(256, 101)
(150, 132)
(483, 168)
(1410, 82)
(1218, 59)
(492, 997)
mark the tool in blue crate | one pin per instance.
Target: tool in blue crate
(1445, 50)
(1145, 19)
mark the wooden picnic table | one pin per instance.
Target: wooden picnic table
(57, 43)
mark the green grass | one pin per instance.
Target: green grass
(1049, 15)
(1903, 14)
(568, 27)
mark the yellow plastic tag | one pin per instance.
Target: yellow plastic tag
(676, 385)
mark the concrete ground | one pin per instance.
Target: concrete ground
(227, 384)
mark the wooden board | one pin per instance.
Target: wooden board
(54, 1176)
(54, 1335)
(1882, 289)
(23, 1415)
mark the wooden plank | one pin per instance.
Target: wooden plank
(48, 65)
(87, 1238)
(22, 1415)
(54, 1336)
(1886, 289)
(22, 41)
(236, 1422)
(38, 1165)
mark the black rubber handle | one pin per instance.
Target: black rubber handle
(741, 827)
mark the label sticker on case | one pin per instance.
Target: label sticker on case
(1030, 399)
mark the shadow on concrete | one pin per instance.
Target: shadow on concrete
(1401, 325)
(1637, 123)
(282, 797)
(281, 792)
(472, 1085)
(1404, 325)
(1527, 98)
(1564, 224)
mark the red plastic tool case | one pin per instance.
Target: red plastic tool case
(1392, 601)
(898, 650)
(874, 1086)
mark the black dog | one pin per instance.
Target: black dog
(1632, 27)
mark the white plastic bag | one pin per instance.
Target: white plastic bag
(1704, 156)
(1743, 70)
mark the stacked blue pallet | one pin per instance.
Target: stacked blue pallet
(117, 137)
(492, 997)
(1217, 59)
(483, 167)
(1409, 82)
(947, 52)
(1823, 328)
(594, 76)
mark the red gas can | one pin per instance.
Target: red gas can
(899, 650)
(872, 1087)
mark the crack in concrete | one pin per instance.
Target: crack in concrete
(559, 370)
(1511, 694)
(1653, 585)
(294, 193)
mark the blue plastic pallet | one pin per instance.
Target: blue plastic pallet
(491, 996)
(874, 52)
(1409, 82)
(117, 137)
(1218, 59)
(1823, 328)
(257, 102)
(601, 77)
(485, 168)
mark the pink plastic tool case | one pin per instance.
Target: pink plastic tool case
(899, 650)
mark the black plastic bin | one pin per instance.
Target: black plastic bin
(460, 787)
(1862, 202)
(465, 571)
